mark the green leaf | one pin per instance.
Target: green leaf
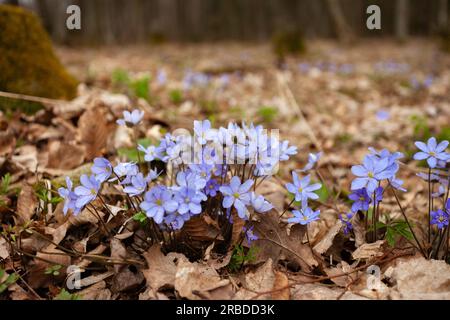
(65, 295)
(140, 216)
(4, 186)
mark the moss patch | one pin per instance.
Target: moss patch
(28, 63)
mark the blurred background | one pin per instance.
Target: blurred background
(132, 21)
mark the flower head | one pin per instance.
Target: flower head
(260, 204)
(432, 151)
(88, 190)
(69, 197)
(203, 131)
(302, 189)
(150, 153)
(137, 186)
(157, 202)
(211, 188)
(313, 158)
(102, 169)
(131, 118)
(373, 170)
(250, 236)
(304, 216)
(237, 194)
(189, 201)
(439, 218)
(361, 200)
(346, 220)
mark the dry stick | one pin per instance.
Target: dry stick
(320, 279)
(25, 97)
(407, 221)
(27, 285)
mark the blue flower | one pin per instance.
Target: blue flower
(250, 235)
(313, 158)
(131, 118)
(189, 201)
(302, 189)
(373, 170)
(378, 194)
(439, 218)
(176, 220)
(432, 151)
(361, 200)
(211, 188)
(102, 169)
(286, 150)
(125, 169)
(150, 153)
(88, 190)
(203, 131)
(157, 202)
(138, 185)
(237, 195)
(348, 226)
(69, 197)
(202, 170)
(304, 216)
(260, 204)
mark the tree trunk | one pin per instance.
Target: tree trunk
(401, 19)
(343, 30)
(443, 15)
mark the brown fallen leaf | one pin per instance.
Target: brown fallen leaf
(97, 291)
(162, 269)
(327, 241)
(26, 203)
(7, 142)
(281, 281)
(275, 242)
(202, 228)
(51, 257)
(4, 249)
(127, 279)
(65, 156)
(93, 132)
(118, 252)
(342, 267)
(194, 281)
(369, 250)
(261, 280)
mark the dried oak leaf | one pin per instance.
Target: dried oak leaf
(7, 142)
(48, 258)
(162, 269)
(202, 228)
(194, 281)
(275, 242)
(97, 291)
(369, 250)
(261, 280)
(64, 156)
(93, 132)
(280, 287)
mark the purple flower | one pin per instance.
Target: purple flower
(189, 201)
(249, 235)
(447, 206)
(125, 169)
(138, 185)
(379, 194)
(176, 220)
(439, 218)
(361, 200)
(313, 158)
(203, 132)
(304, 216)
(432, 151)
(157, 202)
(260, 204)
(212, 187)
(373, 170)
(237, 195)
(383, 115)
(150, 153)
(302, 189)
(202, 170)
(131, 118)
(69, 197)
(286, 150)
(102, 169)
(397, 184)
(88, 190)
(348, 226)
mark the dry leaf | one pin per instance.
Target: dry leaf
(4, 252)
(369, 250)
(202, 228)
(97, 291)
(93, 132)
(26, 203)
(37, 277)
(194, 280)
(261, 280)
(327, 241)
(281, 285)
(64, 156)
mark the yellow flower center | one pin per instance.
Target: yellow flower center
(432, 153)
(236, 195)
(186, 200)
(93, 192)
(159, 202)
(300, 189)
(370, 174)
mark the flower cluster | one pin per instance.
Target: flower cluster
(214, 171)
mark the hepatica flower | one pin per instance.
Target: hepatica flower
(88, 190)
(150, 153)
(250, 236)
(131, 118)
(361, 200)
(157, 202)
(439, 218)
(69, 197)
(346, 220)
(313, 158)
(260, 204)
(373, 170)
(211, 188)
(237, 195)
(304, 216)
(432, 151)
(102, 169)
(189, 201)
(302, 189)
(203, 131)
(138, 185)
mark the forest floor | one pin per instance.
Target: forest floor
(335, 99)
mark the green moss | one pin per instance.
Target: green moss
(28, 63)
